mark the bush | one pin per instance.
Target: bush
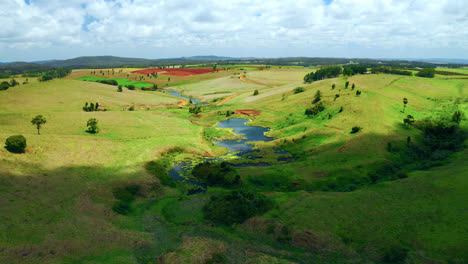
(16, 144)
(298, 90)
(4, 86)
(427, 73)
(119, 88)
(92, 126)
(355, 129)
(315, 110)
(214, 174)
(130, 87)
(110, 82)
(131, 108)
(195, 109)
(236, 207)
(255, 92)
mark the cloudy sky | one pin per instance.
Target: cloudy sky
(58, 29)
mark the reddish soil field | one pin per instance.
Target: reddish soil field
(177, 71)
(248, 112)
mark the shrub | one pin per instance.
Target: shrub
(16, 144)
(341, 110)
(92, 126)
(195, 109)
(119, 88)
(298, 90)
(236, 207)
(427, 73)
(130, 87)
(4, 86)
(315, 110)
(131, 108)
(355, 129)
(255, 92)
(122, 207)
(214, 174)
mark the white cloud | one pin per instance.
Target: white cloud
(189, 26)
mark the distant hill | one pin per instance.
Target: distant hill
(208, 60)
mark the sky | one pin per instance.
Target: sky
(35, 30)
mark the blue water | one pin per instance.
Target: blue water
(250, 134)
(183, 168)
(176, 94)
(239, 147)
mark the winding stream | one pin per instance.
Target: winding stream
(238, 147)
(176, 94)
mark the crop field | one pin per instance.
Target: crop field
(108, 197)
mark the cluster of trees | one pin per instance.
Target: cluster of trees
(390, 70)
(236, 207)
(108, 81)
(216, 174)
(329, 72)
(5, 85)
(427, 73)
(314, 110)
(90, 107)
(299, 89)
(196, 109)
(354, 69)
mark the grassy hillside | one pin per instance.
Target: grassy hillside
(56, 199)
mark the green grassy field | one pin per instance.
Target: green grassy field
(56, 199)
(123, 82)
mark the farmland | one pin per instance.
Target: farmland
(338, 197)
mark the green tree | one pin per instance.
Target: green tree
(96, 106)
(405, 102)
(336, 96)
(92, 125)
(13, 83)
(255, 92)
(457, 117)
(358, 93)
(333, 86)
(4, 85)
(317, 96)
(195, 109)
(298, 90)
(355, 129)
(39, 120)
(427, 73)
(346, 85)
(352, 87)
(119, 88)
(409, 120)
(16, 144)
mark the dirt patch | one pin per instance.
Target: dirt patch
(248, 112)
(225, 100)
(181, 103)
